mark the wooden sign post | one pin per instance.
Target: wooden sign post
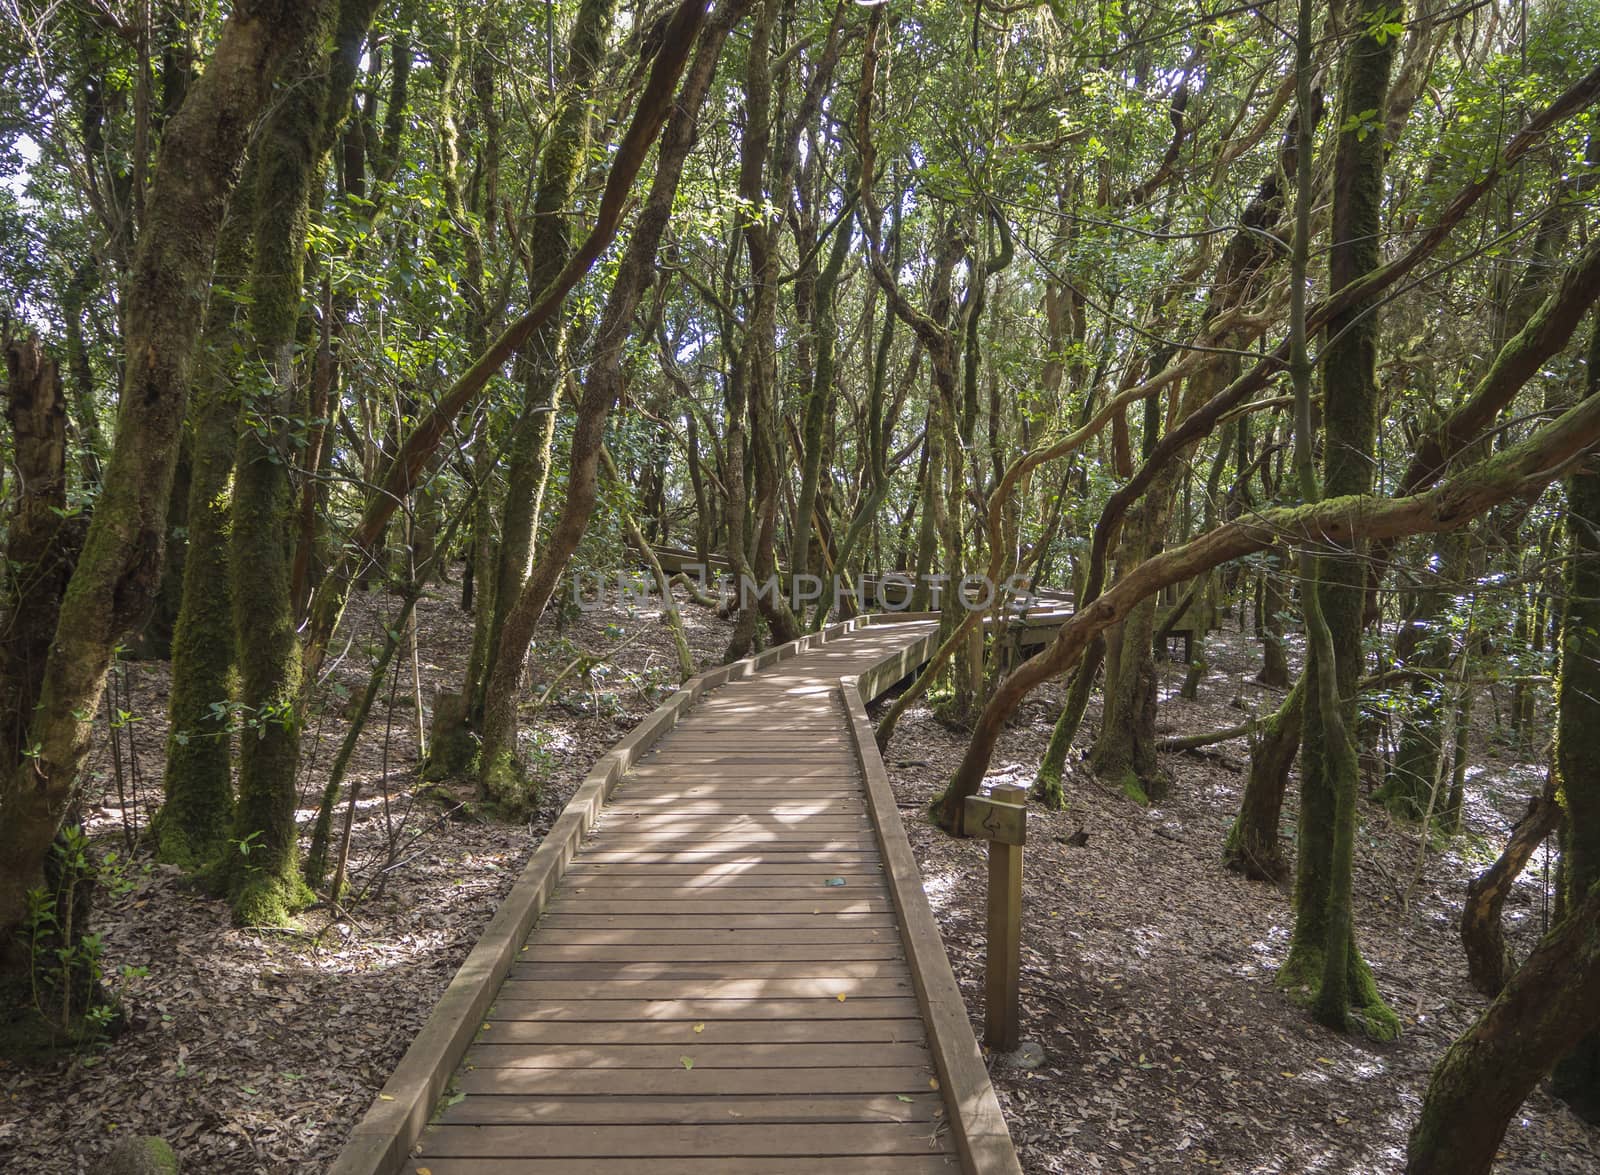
(1001, 818)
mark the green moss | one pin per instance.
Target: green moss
(191, 829)
(174, 845)
(1577, 1076)
(1300, 977)
(508, 786)
(1133, 788)
(141, 1155)
(1047, 790)
(1047, 786)
(265, 898)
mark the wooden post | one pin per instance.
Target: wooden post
(1001, 818)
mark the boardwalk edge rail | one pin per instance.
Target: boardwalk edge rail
(382, 1140)
(979, 1128)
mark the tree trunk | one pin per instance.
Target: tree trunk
(1424, 642)
(1047, 785)
(1577, 1077)
(262, 879)
(117, 576)
(527, 461)
(502, 777)
(1252, 847)
(1124, 754)
(1269, 623)
(40, 544)
(191, 829)
(1489, 961)
(1553, 999)
(1324, 961)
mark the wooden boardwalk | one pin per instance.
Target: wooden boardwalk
(726, 979)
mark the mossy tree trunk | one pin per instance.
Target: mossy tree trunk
(1424, 643)
(1252, 846)
(118, 573)
(1047, 784)
(1324, 961)
(40, 544)
(1489, 961)
(503, 778)
(1577, 1077)
(1124, 754)
(820, 394)
(1269, 625)
(1553, 999)
(527, 461)
(261, 873)
(192, 827)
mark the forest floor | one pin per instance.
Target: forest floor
(1147, 967)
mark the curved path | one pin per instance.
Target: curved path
(738, 971)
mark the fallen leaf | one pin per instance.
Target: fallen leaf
(686, 1062)
(699, 1027)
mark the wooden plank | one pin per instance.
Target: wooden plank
(703, 921)
(736, 889)
(712, 872)
(644, 805)
(749, 938)
(794, 841)
(759, 762)
(745, 886)
(703, 1032)
(844, 953)
(744, 789)
(771, 778)
(737, 1141)
(942, 1164)
(792, 723)
(590, 904)
(713, 1030)
(823, 824)
(803, 853)
(798, 774)
(680, 1082)
(755, 734)
(593, 971)
(509, 1007)
(837, 860)
(724, 824)
(807, 1055)
(711, 989)
(499, 1109)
